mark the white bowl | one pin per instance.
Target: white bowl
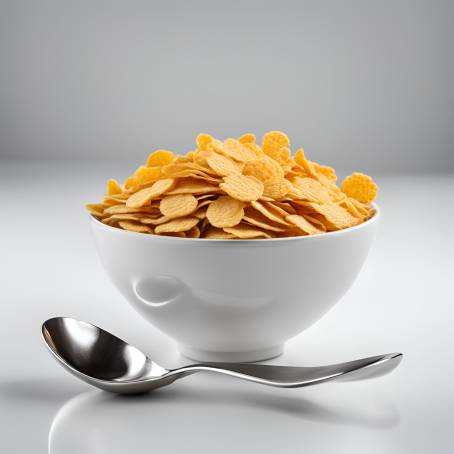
(233, 300)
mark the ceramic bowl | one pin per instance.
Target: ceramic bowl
(233, 300)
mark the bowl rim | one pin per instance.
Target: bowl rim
(373, 219)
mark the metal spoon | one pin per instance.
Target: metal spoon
(105, 361)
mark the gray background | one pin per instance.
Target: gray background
(359, 84)
(88, 89)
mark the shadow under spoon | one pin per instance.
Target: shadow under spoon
(107, 362)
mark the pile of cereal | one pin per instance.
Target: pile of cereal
(236, 189)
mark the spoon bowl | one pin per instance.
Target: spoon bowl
(98, 357)
(109, 363)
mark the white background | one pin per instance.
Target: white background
(359, 84)
(87, 90)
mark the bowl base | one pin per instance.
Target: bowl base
(231, 357)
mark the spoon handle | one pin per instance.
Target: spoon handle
(295, 377)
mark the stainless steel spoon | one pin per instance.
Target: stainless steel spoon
(105, 361)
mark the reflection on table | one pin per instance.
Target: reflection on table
(218, 415)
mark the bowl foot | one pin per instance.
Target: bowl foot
(231, 357)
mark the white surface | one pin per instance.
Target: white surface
(402, 301)
(233, 300)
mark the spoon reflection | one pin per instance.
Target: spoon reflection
(94, 422)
